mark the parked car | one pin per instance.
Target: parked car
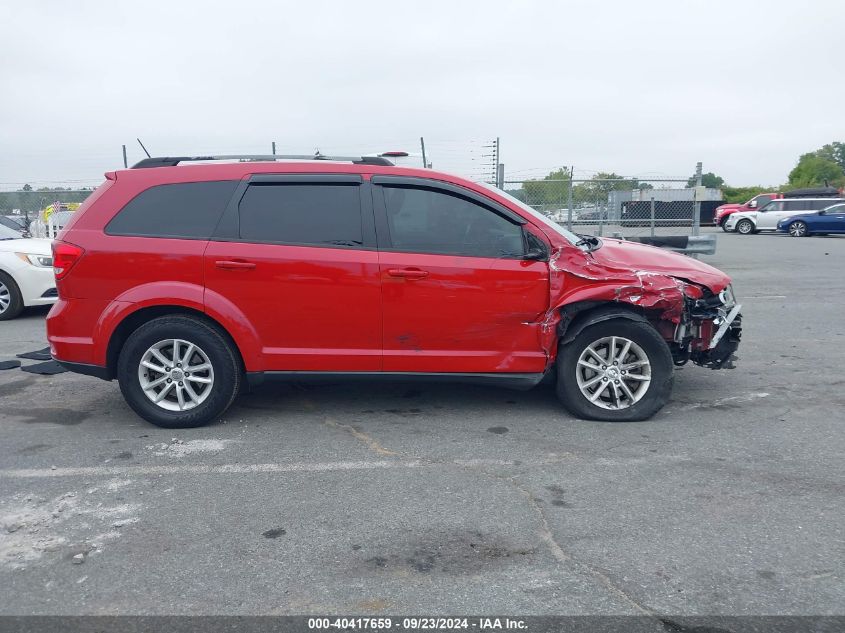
(829, 220)
(723, 212)
(26, 273)
(182, 281)
(767, 218)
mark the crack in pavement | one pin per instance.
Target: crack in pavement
(361, 436)
(545, 532)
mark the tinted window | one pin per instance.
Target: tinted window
(820, 204)
(422, 220)
(797, 205)
(839, 208)
(773, 206)
(185, 210)
(762, 200)
(321, 215)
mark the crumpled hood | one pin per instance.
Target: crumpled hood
(34, 246)
(650, 259)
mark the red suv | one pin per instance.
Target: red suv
(185, 277)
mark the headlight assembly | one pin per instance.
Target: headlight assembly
(39, 261)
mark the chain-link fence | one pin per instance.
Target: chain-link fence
(626, 206)
(40, 213)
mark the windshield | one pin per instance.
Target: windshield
(569, 235)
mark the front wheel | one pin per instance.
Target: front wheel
(11, 302)
(745, 227)
(178, 372)
(724, 225)
(618, 371)
(798, 229)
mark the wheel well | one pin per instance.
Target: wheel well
(139, 317)
(578, 316)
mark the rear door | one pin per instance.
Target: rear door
(458, 294)
(296, 255)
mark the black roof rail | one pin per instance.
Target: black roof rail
(172, 161)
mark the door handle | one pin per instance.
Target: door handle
(408, 273)
(227, 264)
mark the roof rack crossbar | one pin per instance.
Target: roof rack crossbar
(172, 161)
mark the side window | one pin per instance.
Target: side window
(428, 221)
(797, 205)
(318, 215)
(762, 200)
(821, 204)
(185, 210)
(777, 205)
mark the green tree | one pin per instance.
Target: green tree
(834, 152)
(552, 190)
(813, 170)
(27, 187)
(599, 186)
(709, 180)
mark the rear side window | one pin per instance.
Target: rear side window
(185, 210)
(820, 204)
(427, 221)
(303, 214)
(797, 205)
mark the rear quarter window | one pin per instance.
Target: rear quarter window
(183, 210)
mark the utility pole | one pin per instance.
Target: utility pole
(422, 147)
(500, 176)
(125, 164)
(274, 148)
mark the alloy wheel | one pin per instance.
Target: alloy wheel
(797, 229)
(613, 373)
(745, 227)
(5, 298)
(176, 375)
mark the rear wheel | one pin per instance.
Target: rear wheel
(798, 229)
(11, 301)
(178, 372)
(745, 227)
(618, 370)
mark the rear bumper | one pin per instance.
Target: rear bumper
(72, 327)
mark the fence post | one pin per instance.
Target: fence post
(652, 216)
(569, 203)
(696, 207)
(601, 215)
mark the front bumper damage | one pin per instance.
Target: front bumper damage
(709, 332)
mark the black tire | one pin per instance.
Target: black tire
(724, 225)
(798, 229)
(745, 227)
(657, 354)
(15, 306)
(224, 360)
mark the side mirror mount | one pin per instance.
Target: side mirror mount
(535, 254)
(752, 204)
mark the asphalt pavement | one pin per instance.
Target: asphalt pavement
(444, 499)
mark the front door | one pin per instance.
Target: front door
(458, 294)
(296, 256)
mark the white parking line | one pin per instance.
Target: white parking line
(228, 469)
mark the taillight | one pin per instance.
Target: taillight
(64, 257)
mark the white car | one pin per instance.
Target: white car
(26, 273)
(766, 218)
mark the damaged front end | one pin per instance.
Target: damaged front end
(709, 329)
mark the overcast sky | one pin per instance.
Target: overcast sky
(640, 88)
